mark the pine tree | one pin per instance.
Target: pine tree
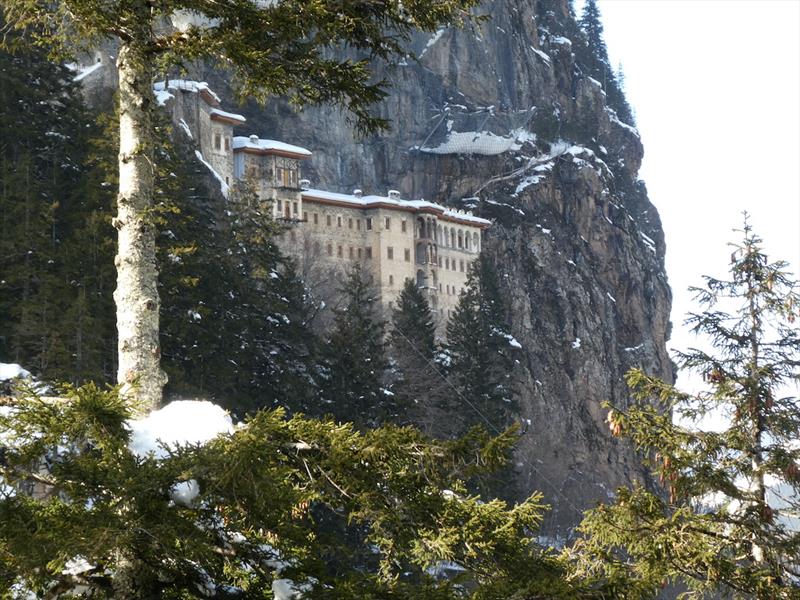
(419, 385)
(481, 350)
(594, 57)
(272, 47)
(43, 128)
(246, 513)
(354, 354)
(729, 520)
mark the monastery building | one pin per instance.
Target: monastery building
(394, 239)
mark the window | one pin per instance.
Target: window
(349, 223)
(391, 279)
(294, 207)
(440, 288)
(316, 247)
(390, 253)
(227, 144)
(280, 206)
(279, 175)
(446, 263)
(368, 253)
(316, 219)
(369, 224)
(351, 252)
(407, 255)
(328, 220)
(440, 262)
(403, 226)
(339, 251)
(461, 266)
(448, 288)
(359, 253)
(338, 221)
(330, 249)
(387, 222)
(358, 224)
(217, 141)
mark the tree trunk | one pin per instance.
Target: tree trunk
(136, 295)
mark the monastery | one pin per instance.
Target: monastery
(394, 239)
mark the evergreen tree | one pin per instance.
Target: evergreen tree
(355, 359)
(593, 55)
(481, 350)
(44, 130)
(272, 47)
(729, 521)
(239, 516)
(420, 386)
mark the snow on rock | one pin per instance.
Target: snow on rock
(576, 343)
(12, 371)
(222, 185)
(615, 119)
(83, 71)
(544, 56)
(178, 423)
(480, 142)
(434, 38)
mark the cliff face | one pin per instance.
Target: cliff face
(500, 119)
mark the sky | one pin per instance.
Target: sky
(715, 86)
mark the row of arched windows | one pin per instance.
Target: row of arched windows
(447, 236)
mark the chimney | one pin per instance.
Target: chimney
(253, 138)
(394, 194)
(358, 193)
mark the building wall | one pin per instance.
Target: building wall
(189, 107)
(332, 238)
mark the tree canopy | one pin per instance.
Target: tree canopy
(728, 518)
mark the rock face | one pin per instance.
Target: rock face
(499, 118)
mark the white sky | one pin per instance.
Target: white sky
(715, 85)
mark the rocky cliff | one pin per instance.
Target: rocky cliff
(502, 119)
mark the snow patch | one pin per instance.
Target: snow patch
(484, 143)
(185, 492)
(223, 186)
(84, 71)
(179, 423)
(434, 38)
(576, 344)
(12, 371)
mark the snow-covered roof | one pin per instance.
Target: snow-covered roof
(232, 118)
(186, 85)
(372, 201)
(255, 144)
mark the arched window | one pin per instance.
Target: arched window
(460, 238)
(420, 278)
(476, 242)
(420, 227)
(421, 258)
